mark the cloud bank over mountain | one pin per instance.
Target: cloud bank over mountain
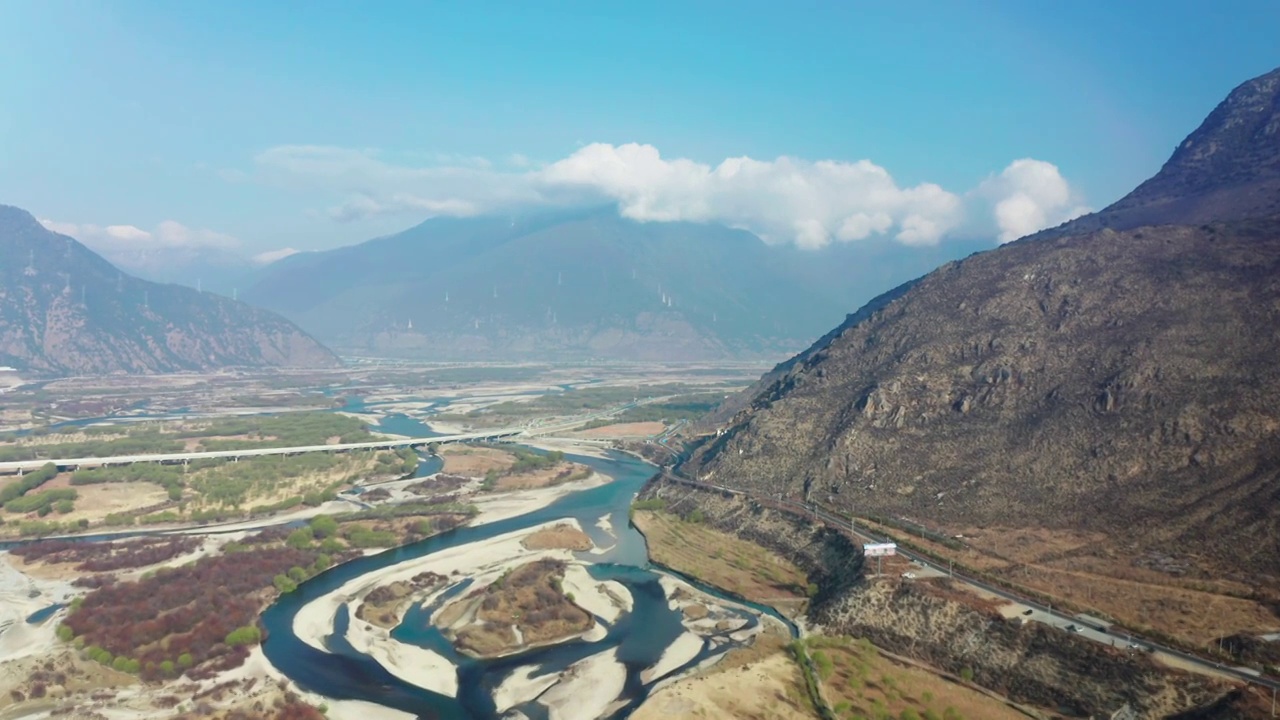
(785, 200)
(168, 234)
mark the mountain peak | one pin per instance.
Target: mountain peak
(14, 217)
(1238, 143)
(1227, 169)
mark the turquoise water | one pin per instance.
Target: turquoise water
(44, 613)
(640, 636)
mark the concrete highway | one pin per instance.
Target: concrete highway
(1039, 612)
(75, 463)
(527, 431)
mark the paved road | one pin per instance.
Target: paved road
(1040, 613)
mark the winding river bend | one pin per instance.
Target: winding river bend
(639, 637)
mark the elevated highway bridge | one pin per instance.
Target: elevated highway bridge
(510, 434)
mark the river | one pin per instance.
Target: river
(639, 637)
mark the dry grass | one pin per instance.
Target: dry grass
(385, 613)
(1192, 616)
(1085, 571)
(768, 687)
(635, 429)
(528, 599)
(858, 681)
(771, 641)
(723, 560)
(556, 474)
(95, 502)
(558, 537)
(79, 678)
(474, 461)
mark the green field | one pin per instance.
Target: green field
(694, 401)
(238, 433)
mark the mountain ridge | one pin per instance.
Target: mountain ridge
(65, 310)
(576, 285)
(1117, 379)
(1228, 168)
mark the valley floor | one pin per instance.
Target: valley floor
(856, 680)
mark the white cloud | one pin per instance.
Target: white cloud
(809, 203)
(1028, 196)
(368, 186)
(270, 256)
(166, 235)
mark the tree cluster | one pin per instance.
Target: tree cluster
(182, 615)
(27, 483)
(42, 503)
(105, 557)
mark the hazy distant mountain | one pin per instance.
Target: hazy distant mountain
(575, 285)
(65, 310)
(208, 268)
(1119, 382)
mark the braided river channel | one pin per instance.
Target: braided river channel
(637, 639)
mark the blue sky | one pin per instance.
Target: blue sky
(261, 125)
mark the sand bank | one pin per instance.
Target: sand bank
(521, 686)
(677, 655)
(415, 665)
(587, 688)
(509, 505)
(17, 638)
(604, 600)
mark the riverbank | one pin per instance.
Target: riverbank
(20, 596)
(482, 562)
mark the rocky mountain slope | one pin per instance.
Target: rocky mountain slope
(581, 284)
(1118, 381)
(65, 310)
(1228, 169)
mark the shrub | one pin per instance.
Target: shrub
(247, 635)
(284, 584)
(323, 526)
(300, 538)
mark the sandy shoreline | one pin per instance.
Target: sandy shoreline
(18, 639)
(482, 561)
(415, 665)
(677, 655)
(521, 686)
(587, 688)
(519, 502)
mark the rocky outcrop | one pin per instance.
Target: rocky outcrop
(65, 310)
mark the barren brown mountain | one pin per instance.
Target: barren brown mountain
(1124, 381)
